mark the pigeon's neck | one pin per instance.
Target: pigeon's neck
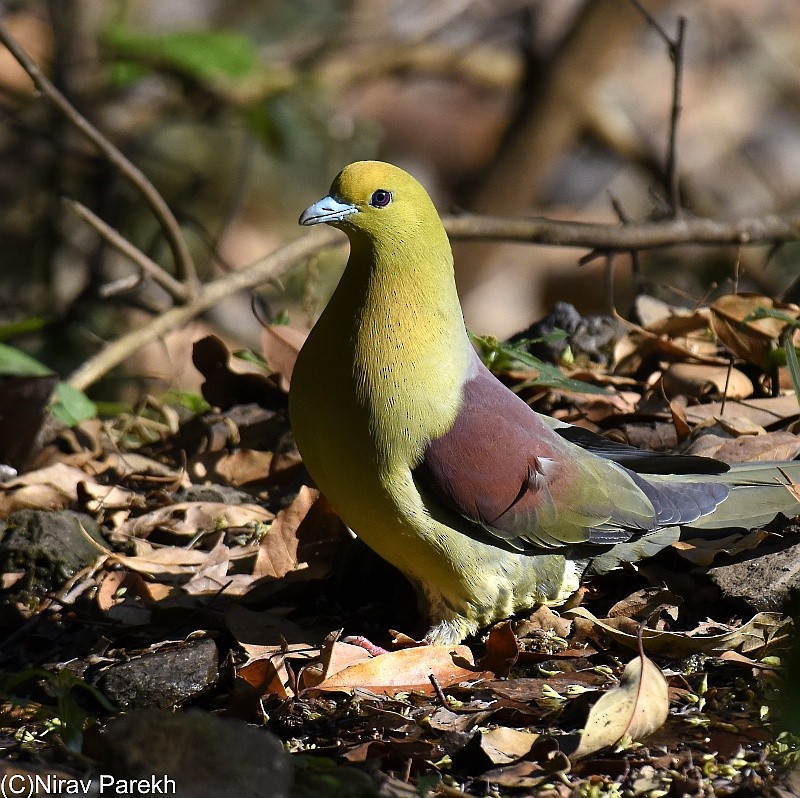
(411, 352)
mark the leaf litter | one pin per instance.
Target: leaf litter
(209, 529)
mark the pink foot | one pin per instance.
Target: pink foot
(367, 645)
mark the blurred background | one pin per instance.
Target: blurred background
(242, 111)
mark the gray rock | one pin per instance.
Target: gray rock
(49, 546)
(162, 678)
(203, 755)
(763, 582)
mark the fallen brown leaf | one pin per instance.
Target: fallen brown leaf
(763, 412)
(304, 534)
(407, 669)
(636, 707)
(703, 552)
(503, 745)
(54, 487)
(186, 519)
(243, 466)
(752, 341)
(780, 445)
(280, 345)
(700, 380)
(762, 631)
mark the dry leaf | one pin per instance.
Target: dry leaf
(268, 676)
(699, 380)
(636, 707)
(503, 745)
(662, 319)
(736, 658)
(336, 656)
(54, 487)
(261, 632)
(701, 551)
(679, 421)
(230, 380)
(305, 533)
(640, 344)
(762, 412)
(280, 346)
(754, 340)
(779, 445)
(212, 576)
(645, 602)
(188, 518)
(109, 593)
(134, 464)
(243, 466)
(762, 631)
(164, 562)
(502, 650)
(546, 620)
(105, 498)
(407, 669)
(542, 764)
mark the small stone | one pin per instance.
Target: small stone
(50, 547)
(204, 756)
(764, 582)
(162, 678)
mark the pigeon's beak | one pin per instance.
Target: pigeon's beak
(327, 210)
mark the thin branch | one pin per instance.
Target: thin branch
(612, 302)
(653, 22)
(636, 265)
(121, 286)
(174, 287)
(676, 54)
(675, 48)
(636, 235)
(599, 237)
(207, 296)
(172, 231)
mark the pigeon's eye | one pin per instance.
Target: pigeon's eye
(380, 198)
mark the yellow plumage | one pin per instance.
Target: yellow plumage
(378, 377)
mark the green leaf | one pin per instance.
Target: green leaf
(193, 402)
(770, 313)
(18, 364)
(69, 718)
(72, 406)
(23, 327)
(202, 54)
(249, 356)
(792, 361)
(500, 357)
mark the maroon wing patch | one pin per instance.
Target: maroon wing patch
(498, 461)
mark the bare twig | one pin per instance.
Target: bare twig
(672, 181)
(437, 688)
(207, 296)
(174, 287)
(172, 231)
(598, 237)
(676, 48)
(612, 302)
(121, 286)
(636, 265)
(636, 235)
